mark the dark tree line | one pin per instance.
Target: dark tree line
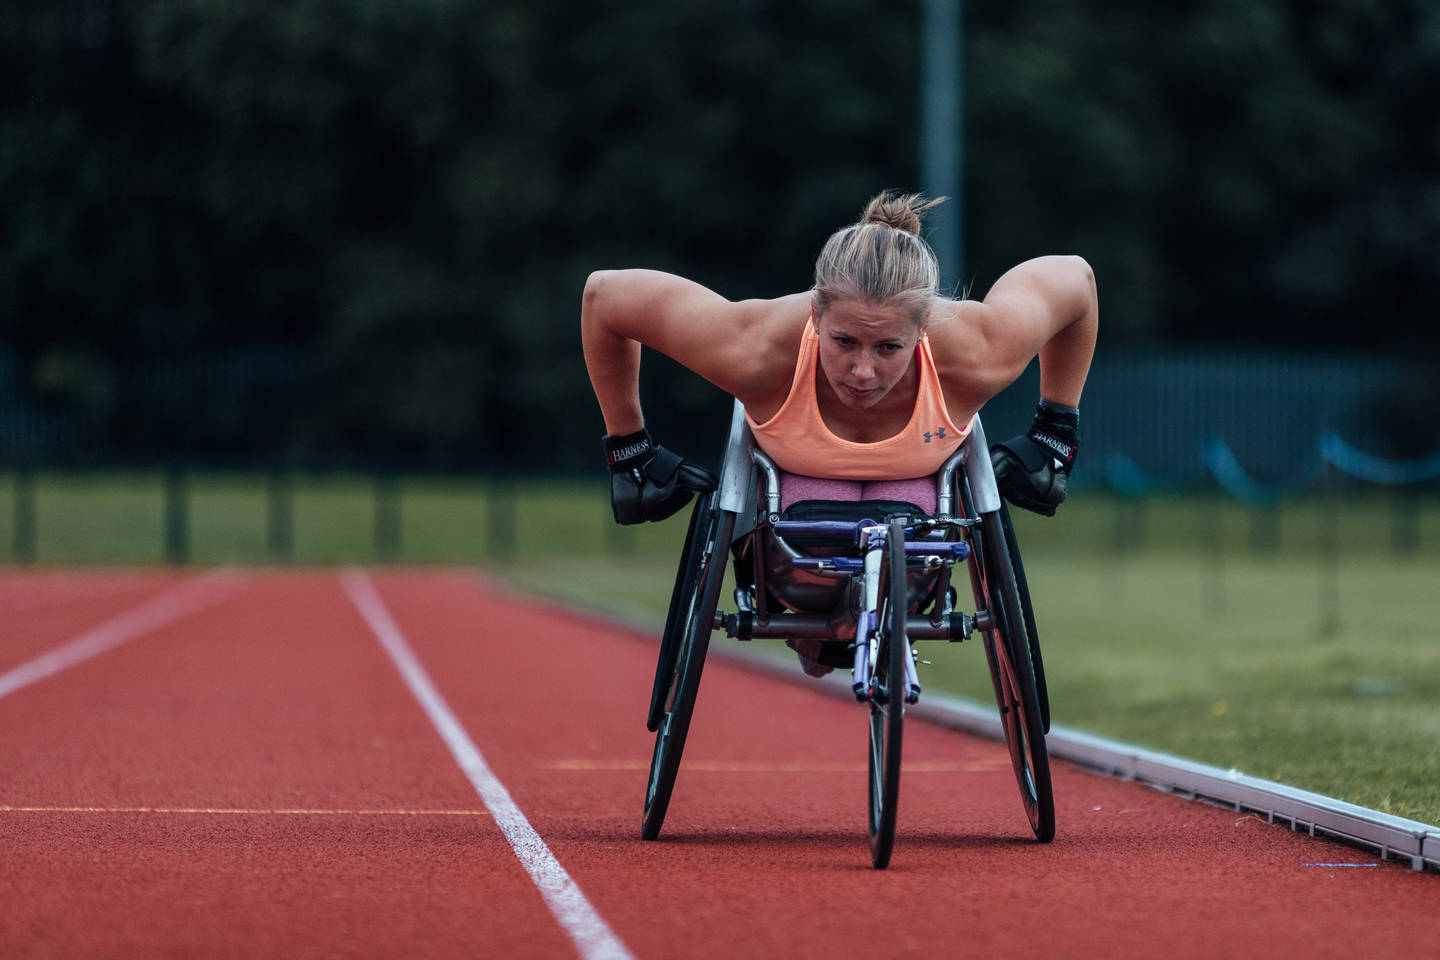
(398, 203)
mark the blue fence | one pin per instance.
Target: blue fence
(205, 405)
(1258, 425)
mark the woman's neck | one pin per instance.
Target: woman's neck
(885, 419)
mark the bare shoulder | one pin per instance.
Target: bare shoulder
(770, 348)
(738, 345)
(981, 347)
(1038, 291)
(967, 341)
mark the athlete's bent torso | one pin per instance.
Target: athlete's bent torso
(798, 440)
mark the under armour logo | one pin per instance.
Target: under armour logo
(937, 435)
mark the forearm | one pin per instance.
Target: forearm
(613, 361)
(1065, 357)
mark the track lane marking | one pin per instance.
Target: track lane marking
(591, 935)
(190, 596)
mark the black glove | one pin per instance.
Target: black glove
(1032, 470)
(648, 482)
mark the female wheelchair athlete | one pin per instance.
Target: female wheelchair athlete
(858, 582)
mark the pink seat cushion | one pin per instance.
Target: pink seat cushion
(794, 488)
(920, 491)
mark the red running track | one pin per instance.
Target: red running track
(254, 778)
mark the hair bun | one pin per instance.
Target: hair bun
(899, 210)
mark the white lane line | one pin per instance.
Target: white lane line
(591, 934)
(189, 597)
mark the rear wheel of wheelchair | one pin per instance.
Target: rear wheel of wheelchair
(888, 714)
(1007, 649)
(688, 640)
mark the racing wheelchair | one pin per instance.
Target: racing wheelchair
(854, 584)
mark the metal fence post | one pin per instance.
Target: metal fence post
(387, 516)
(280, 515)
(1328, 551)
(177, 517)
(500, 518)
(24, 531)
(1212, 535)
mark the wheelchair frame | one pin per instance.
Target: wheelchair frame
(895, 566)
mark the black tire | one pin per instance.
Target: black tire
(887, 717)
(685, 577)
(694, 618)
(1032, 634)
(1007, 650)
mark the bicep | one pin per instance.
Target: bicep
(1031, 303)
(984, 346)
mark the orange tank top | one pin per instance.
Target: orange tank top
(797, 439)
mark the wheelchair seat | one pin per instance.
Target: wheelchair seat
(781, 587)
(858, 597)
(919, 493)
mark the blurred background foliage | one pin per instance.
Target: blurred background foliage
(368, 223)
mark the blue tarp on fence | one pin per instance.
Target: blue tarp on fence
(1260, 424)
(1252, 422)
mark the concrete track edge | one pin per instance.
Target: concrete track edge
(1389, 836)
(1318, 815)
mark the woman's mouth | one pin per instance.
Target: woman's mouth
(858, 394)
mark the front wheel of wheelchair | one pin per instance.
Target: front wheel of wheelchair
(887, 708)
(1007, 648)
(683, 649)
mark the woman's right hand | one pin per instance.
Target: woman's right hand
(648, 482)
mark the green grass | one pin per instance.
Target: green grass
(117, 518)
(1140, 649)
(104, 519)
(1299, 645)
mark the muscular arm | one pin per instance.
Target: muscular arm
(722, 341)
(613, 361)
(1052, 307)
(1046, 306)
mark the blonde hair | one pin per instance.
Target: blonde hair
(882, 259)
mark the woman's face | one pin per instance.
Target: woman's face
(865, 350)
